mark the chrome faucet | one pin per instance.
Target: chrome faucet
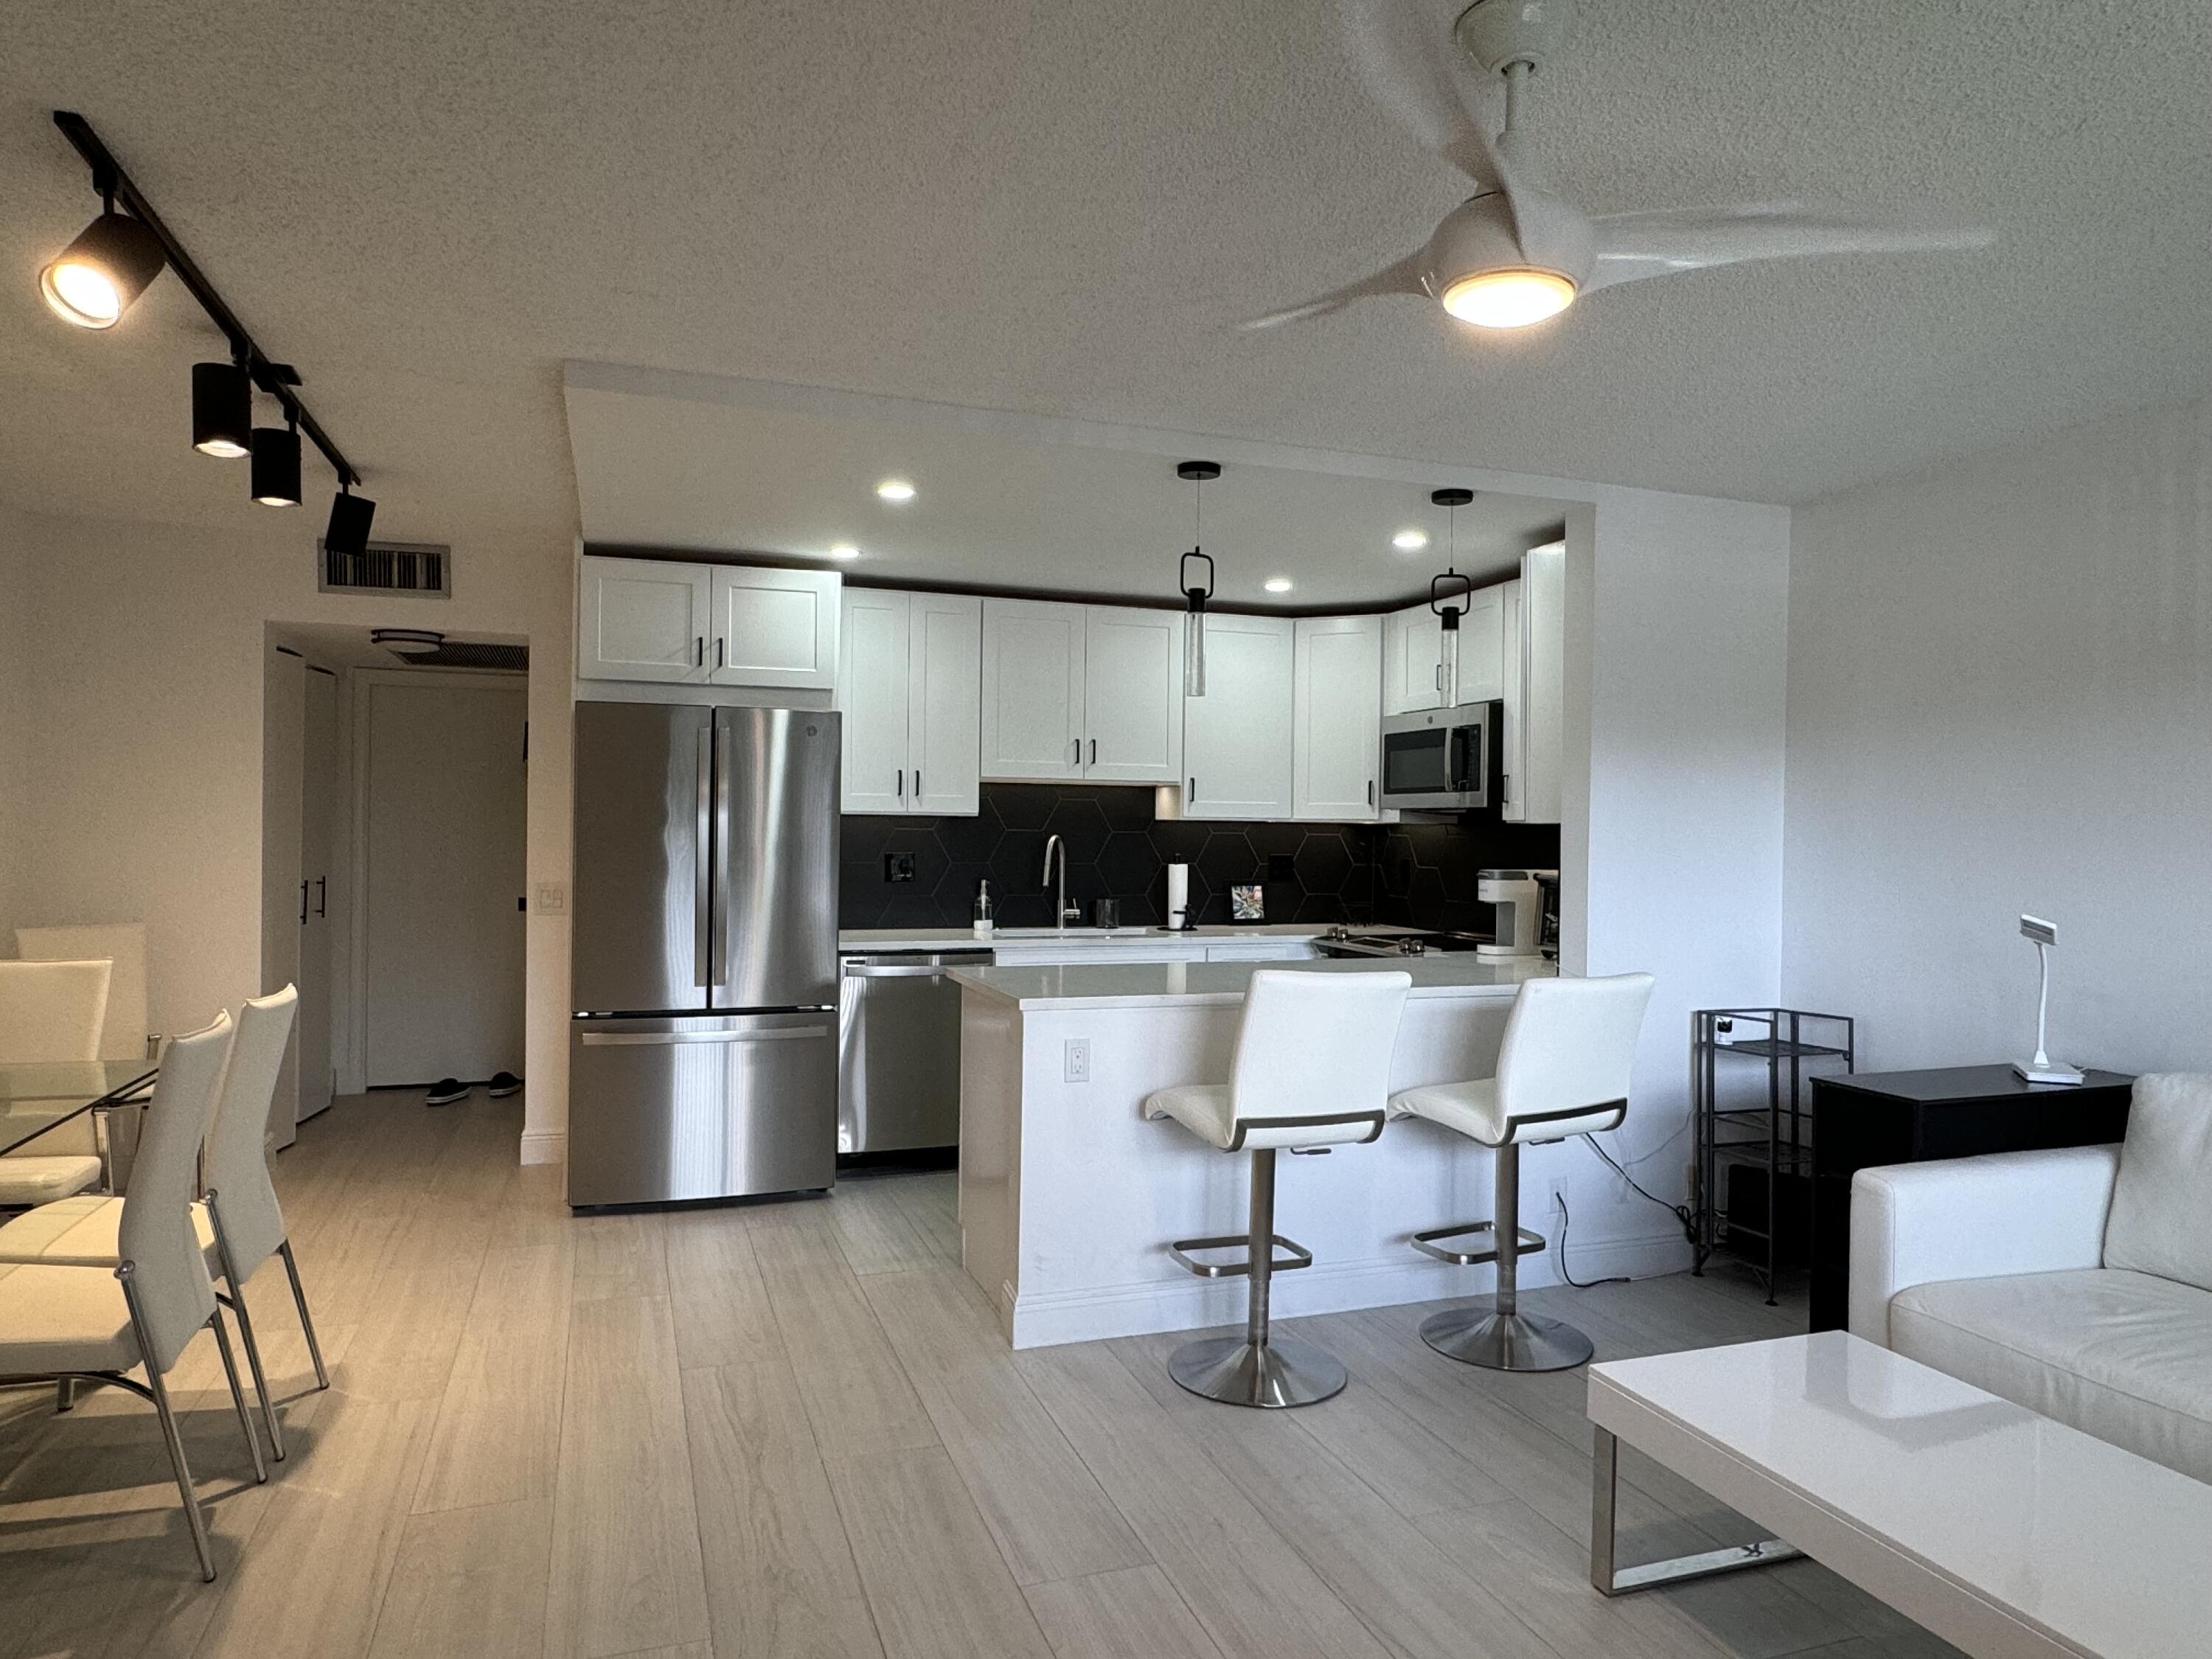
(1061, 915)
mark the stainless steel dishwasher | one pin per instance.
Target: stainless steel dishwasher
(898, 1050)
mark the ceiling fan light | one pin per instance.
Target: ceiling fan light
(1511, 298)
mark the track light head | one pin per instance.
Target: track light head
(93, 280)
(276, 465)
(350, 515)
(222, 410)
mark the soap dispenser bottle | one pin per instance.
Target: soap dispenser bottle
(983, 909)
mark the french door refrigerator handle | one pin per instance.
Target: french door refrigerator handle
(718, 907)
(662, 1039)
(702, 861)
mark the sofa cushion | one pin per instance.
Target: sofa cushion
(2126, 1357)
(2161, 1218)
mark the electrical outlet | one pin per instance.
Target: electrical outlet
(1079, 1060)
(898, 866)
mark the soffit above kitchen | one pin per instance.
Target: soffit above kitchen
(694, 464)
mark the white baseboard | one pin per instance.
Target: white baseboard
(1041, 1319)
(544, 1145)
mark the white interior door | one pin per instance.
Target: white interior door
(1133, 694)
(318, 801)
(943, 703)
(1032, 690)
(1236, 738)
(444, 856)
(1337, 713)
(640, 619)
(872, 694)
(283, 722)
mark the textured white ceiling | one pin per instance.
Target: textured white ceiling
(1060, 208)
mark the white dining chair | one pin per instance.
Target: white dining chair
(238, 1221)
(123, 1031)
(50, 1011)
(96, 1324)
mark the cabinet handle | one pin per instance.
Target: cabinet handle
(1440, 677)
(1192, 793)
(1093, 752)
(322, 895)
(303, 904)
(718, 651)
(699, 651)
(1077, 759)
(1370, 791)
(901, 783)
(917, 786)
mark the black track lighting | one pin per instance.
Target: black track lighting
(350, 514)
(93, 281)
(222, 410)
(276, 465)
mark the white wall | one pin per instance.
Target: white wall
(133, 773)
(2001, 700)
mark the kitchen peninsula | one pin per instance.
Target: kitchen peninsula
(1068, 1197)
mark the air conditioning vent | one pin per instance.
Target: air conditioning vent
(424, 569)
(462, 653)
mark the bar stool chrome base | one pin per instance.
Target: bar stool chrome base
(1237, 1371)
(1504, 1341)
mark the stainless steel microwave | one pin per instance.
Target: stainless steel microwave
(1441, 759)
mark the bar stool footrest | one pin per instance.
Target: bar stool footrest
(1433, 1243)
(1299, 1256)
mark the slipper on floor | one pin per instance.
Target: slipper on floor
(503, 1085)
(444, 1092)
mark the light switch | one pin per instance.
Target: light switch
(552, 897)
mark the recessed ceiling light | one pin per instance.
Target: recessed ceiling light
(896, 490)
(844, 551)
(1410, 541)
(1277, 584)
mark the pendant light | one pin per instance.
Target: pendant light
(1447, 587)
(93, 280)
(276, 464)
(1196, 593)
(350, 515)
(222, 410)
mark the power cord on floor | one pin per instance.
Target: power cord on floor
(1566, 1219)
(1681, 1212)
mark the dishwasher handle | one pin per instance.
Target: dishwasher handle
(852, 972)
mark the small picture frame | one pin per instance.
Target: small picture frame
(1247, 902)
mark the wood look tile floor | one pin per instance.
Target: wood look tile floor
(793, 1431)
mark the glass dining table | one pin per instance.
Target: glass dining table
(39, 1095)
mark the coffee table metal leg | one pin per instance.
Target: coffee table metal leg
(1611, 1579)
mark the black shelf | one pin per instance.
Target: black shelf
(1781, 1150)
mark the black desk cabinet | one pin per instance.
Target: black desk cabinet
(1875, 1118)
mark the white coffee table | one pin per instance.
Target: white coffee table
(2004, 1533)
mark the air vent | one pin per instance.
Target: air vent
(424, 569)
(460, 653)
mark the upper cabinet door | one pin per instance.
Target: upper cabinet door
(1543, 676)
(640, 619)
(1133, 694)
(873, 695)
(1412, 660)
(1481, 677)
(1336, 717)
(1032, 690)
(774, 628)
(944, 705)
(1236, 738)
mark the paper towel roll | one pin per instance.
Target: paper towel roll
(1178, 895)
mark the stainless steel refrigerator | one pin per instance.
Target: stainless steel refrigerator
(702, 1058)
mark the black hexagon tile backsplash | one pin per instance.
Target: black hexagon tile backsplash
(1419, 875)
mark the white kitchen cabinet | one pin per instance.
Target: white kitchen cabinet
(1418, 666)
(1133, 694)
(1236, 738)
(1513, 735)
(1536, 692)
(1033, 691)
(910, 686)
(774, 628)
(1336, 712)
(1077, 691)
(643, 619)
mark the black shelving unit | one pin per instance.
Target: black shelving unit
(1773, 1138)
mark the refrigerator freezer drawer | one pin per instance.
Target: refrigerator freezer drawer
(713, 1106)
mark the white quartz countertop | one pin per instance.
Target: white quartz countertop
(1221, 984)
(963, 939)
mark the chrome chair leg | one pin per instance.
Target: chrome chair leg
(159, 1391)
(1500, 1337)
(306, 1322)
(64, 1395)
(237, 1395)
(1257, 1369)
(237, 1302)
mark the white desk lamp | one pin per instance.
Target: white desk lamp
(2043, 1068)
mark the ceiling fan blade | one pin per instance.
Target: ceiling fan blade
(1405, 53)
(1629, 248)
(1403, 278)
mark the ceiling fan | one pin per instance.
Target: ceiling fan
(1514, 253)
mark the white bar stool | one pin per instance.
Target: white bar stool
(1312, 1071)
(1562, 1070)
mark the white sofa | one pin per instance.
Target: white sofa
(2075, 1283)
